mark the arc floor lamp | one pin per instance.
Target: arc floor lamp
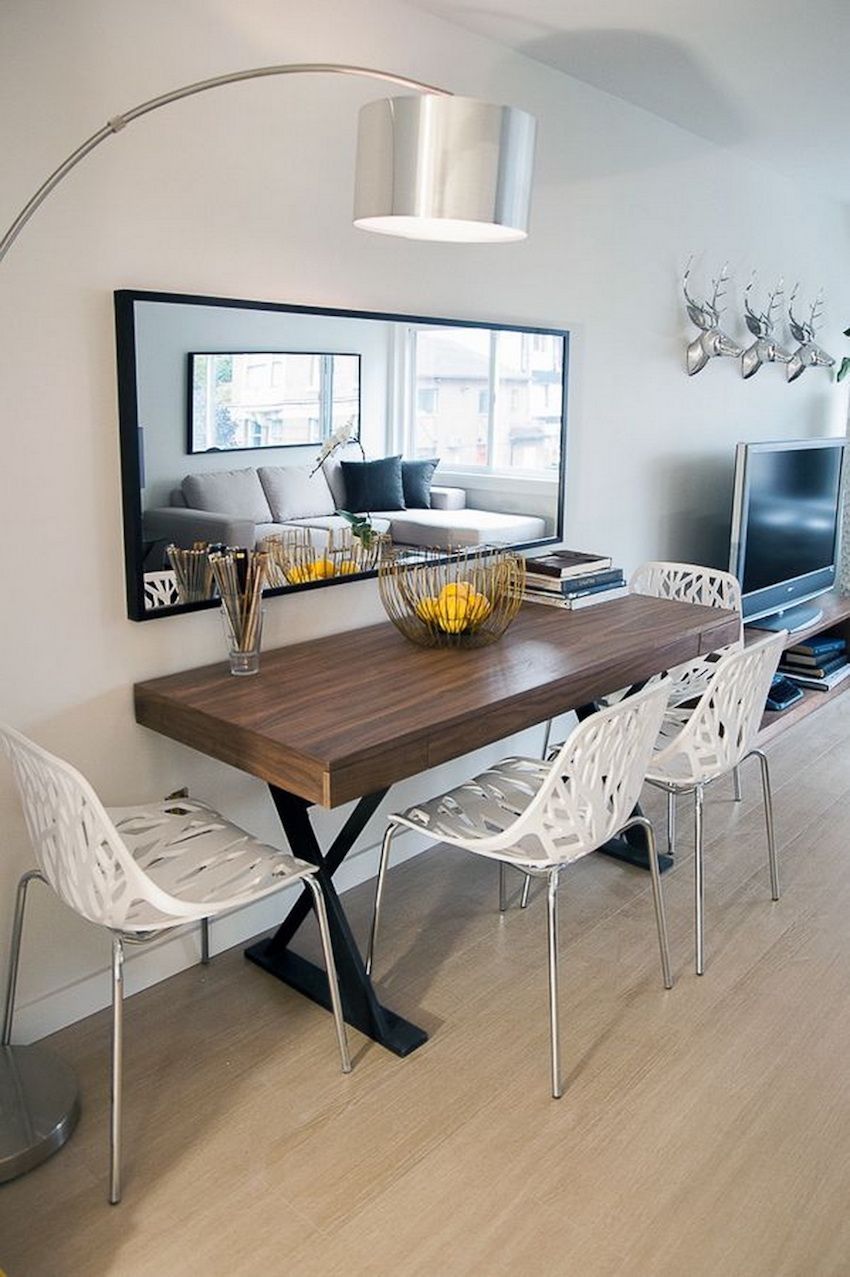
(431, 166)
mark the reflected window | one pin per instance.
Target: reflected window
(500, 400)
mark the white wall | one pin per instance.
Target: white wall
(246, 192)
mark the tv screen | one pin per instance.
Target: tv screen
(791, 522)
(785, 521)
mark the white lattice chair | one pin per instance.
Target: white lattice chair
(540, 816)
(140, 871)
(700, 745)
(690, 583)
(684, 583)
(160, 589)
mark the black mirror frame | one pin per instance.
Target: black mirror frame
(128, 422)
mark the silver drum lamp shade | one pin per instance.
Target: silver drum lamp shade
(443, 167)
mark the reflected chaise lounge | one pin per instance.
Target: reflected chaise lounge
(240, 507)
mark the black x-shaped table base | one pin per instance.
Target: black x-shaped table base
(360, 1004)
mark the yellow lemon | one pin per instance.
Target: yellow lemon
(478, 608)
(321, 568)
(426, 608)
(456, 590)
(297, 576)
(347, 567)
(453, 613)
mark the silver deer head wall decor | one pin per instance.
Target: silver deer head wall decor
(712, 342)
(765, 349)
(808, 354)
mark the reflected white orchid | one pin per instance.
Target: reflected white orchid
(341, 436)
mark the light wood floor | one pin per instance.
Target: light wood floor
(703, 1131)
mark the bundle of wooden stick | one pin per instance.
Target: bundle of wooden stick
(192, 572)
(240, 576)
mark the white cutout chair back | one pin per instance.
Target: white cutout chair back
(717, 735)
(160, 589)
(211, 864)
(76, 845)
(691, 583)
(590, 789)
(688, 583)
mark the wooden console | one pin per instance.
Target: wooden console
(835, 620)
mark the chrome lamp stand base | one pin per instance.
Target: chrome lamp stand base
(39, 1107)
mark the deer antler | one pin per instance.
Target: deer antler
(698, 311)
(816, 311)
(774, 295)
(797, 328)
(685, 279)
(754, 321)
(719, 291)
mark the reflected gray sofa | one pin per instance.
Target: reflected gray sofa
(240, 507)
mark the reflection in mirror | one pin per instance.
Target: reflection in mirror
(359, 435)
(275, 399)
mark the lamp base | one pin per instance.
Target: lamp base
(39, 1107)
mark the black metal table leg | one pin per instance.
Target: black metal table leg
(629, 847)
(360, 1004)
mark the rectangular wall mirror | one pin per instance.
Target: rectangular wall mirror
(455, 436)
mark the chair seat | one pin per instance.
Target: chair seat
(191, 852)
(484, 807)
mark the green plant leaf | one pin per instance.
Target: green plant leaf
(361, 527)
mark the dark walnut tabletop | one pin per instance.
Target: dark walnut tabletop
(345, 715)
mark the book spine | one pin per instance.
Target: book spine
(581, 592)
(560, 571)
(819, 647)
(822, 684)
(613, 576)
(599, 596)
(585, 599)
(813, 671)
(548, 600)
(826, 660)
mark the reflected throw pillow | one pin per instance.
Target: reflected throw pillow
(373, 485)
(416, 478)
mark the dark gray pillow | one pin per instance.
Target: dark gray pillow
(416, 477)
(373, 485)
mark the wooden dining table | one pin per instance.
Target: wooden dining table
(342, 718)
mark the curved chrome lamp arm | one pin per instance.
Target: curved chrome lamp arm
(118, 122)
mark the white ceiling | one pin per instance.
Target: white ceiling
(768, 77)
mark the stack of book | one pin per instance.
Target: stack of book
(571, 579)
(819, 662)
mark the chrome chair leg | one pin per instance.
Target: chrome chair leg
(205, 941)
(736, 784)
(503, 890)
(330, 968)
(554, 1025)
(657, 896)
(768, 820)
(671, 823)
(526, 888)
(15, 951)
(699, 882)
(117, 1069)
(379, 895)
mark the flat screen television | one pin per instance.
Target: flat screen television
(785, 528)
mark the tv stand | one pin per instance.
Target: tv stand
(833, 617)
